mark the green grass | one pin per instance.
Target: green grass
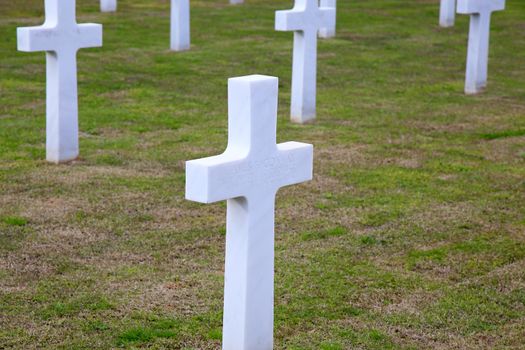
(411, 236)
(503, 134)
(14, 221)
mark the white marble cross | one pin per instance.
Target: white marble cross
(447, 13)
(305, 19)
(61, 37)
(478, 42)
(108, 5)
(328, 32)
(180, 25)
(248, 175)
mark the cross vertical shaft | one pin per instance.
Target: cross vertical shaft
(304, 76)
(108, 5)
(329, 31)
(180, 25)
(447, 13)
(60, 13)
(249, 274)
(478, 53)
(61, 106)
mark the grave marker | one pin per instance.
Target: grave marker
(328, 32)
(108, 5)
(305, 20)
(248, 175)
(447, 13)
(180, 25)
(480, 12)
(61, 37)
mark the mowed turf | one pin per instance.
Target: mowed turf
(410, 236)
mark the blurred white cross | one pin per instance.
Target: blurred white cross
(305, 20)
(447, 13)
(180, 25)
(108, 5)
(61, 37)
(248, 175)
(480, 12)
(328, 32)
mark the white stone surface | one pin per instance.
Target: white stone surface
(480, 12)
(235, 2)
(328, 32)
(108, 5)
(180, 25)
(305, 20)
(61, 37)
(248, 175)
(447, 13)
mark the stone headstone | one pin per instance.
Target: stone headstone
(447, 13)
(305, 20)
(248, 175)
(61, 37)
(235, 2)
(480, 12)
(328, 32)
(108, 5)
(180, 25)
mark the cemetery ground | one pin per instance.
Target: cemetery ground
(410, 236)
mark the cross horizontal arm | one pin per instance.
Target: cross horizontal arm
(227, 176)
(293, 20)
(89, 35)
(289, 20)
(208, 180)
(32, 39)
(299, 163)
(468, 7)
(47, 38)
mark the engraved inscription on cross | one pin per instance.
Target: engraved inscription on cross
(480, 12)
(248, 175)
(61, 37)
(306, 19)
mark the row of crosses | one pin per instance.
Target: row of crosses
(61, 37)
(180, 20)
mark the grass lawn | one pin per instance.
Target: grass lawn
(411, 236)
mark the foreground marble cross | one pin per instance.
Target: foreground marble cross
(328, 32)
(305, 19)
(447, 13)
(180, 25)
(248, 175)
(61, 37)
(478, 42)
(108, 5)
